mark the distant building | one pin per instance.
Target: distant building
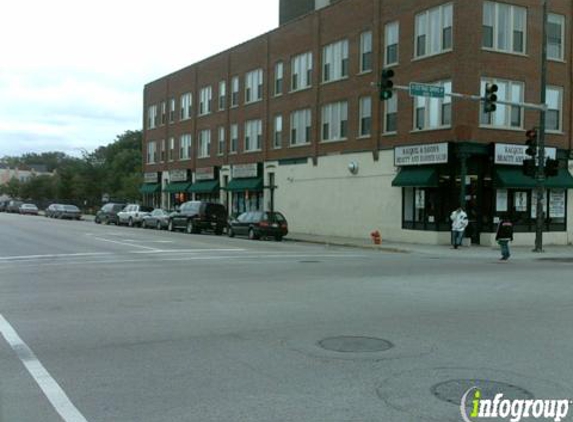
(22, 173)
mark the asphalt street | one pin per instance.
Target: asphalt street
(112, 324)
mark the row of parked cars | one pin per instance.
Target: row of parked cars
(18, 207)
(196, 217)
(62, 211)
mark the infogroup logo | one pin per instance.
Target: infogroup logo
(514, 410)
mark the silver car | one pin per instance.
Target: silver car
(132, 215)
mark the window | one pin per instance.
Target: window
(505, 116)
(555, 36)
(186, 106)
(204, 143)
(221, 141)
(300, 124)
(335, 61)
(278, 132)
(391, 115)
(234, 138)
(253, 135)
(205, 101)
(279, 77)
(555, 103)
(366, 51)
(185, 147)
(152, 117)
(392, 33)
(235, 91)
(163, 112)
(301, 71)
(335, 121)
(365, 115)
(162, 151)
(151, 152)
(254, 86)
(504, 27)
(434, 31)
(171, 110)
(171, 149)
(432, 113)
(222, 95)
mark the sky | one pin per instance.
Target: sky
(72, 72)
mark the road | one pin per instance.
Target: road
(112, 324)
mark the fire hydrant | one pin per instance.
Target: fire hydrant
(376, 238)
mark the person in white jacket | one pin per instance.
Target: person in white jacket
(459, 223)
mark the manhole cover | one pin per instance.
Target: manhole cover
(452, 391)
(350, 344)
(564, 260)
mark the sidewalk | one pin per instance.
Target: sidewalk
(474, 251)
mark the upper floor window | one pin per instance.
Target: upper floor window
(221, 141)
(253, 135)
(204, 143)
(205, 101)
(185, 147)
(171, 110)
(300, 125)
(171, 152)
(555, 36)
(366, 51)
(278, 132)
(335, 61)
(365, 116)
(151, 152)
(235, 91)
(222, 95)
(434, 31)
(152, 117)
(254, 86)
(163, 112)
(391, 115)
(301, 72)
(554, 112)
(391, 35)
(433, 113)
(234, 146)
(279, 78)
(504, 27)
(335, 121)
(162, 151)
(505, 116)
(186, 106)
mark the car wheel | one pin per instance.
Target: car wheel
(252, 235)
(170, 225)
(158, 225)
(190, 228)
(97, 220)
(230, 232)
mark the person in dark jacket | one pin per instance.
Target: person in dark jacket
(503, 236)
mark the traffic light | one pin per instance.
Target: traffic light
(386, 84)
(529, 167)
(551, 167)
(531, 142)
(490, 99)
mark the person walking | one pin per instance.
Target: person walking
(459, 223)
(504, 235)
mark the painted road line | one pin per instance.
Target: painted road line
(131, 245)
(178, 251)
(47, 384)
(63, 255)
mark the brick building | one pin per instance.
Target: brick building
(297, 108)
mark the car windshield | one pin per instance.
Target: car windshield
(71, 208)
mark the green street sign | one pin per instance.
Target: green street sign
(425, 90)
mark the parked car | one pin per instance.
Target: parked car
(195, 216)
(69, 212)
(29, 209)
(108, 213)
(158, 219)
(133, 214)
(257, 224)
(14, 206)
(3, 205)
(53, 210)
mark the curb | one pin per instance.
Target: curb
(350, 245)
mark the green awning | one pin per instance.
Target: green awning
(563, 180)
(177, 187)
(250, 184)
(150, 188)
(420, 177)
(513, 177)
(205, 186)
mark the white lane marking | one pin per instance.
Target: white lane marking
(178, 251)
(47, 384)
(126, 244)
(62, 255)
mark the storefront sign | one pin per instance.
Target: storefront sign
(205, 173)
(501, 200)
(241, 171)
(557, 204)
(178, 175)
(150, 177)
(509, 154)
(416, 155)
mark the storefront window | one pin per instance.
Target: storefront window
(247, 201)
(424, 209)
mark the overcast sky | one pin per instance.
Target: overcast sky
(72, 72)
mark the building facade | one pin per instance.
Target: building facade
(292, 121)
(292, 9)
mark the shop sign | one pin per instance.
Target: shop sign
(416, 155)
(509, 154)
(150, 177)
(178, 175)
(242, 171)
(205, 173)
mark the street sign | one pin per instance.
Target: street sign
(425, 90)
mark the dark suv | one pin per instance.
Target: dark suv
(108, 213)
(195, 216)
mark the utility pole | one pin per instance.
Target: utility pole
(540, 174)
